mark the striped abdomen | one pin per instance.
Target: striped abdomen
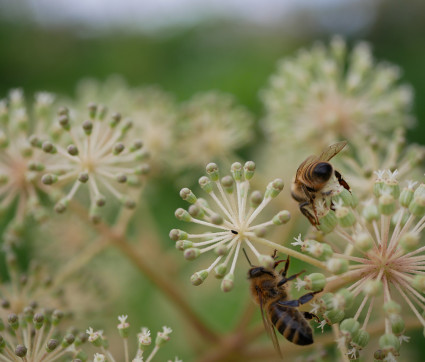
(291, 324)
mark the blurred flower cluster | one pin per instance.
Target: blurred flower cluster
(114, 157)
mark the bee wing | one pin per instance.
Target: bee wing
(269, 327)
(332, 150)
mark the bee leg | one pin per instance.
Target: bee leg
(341, 181)
(301, 300)
(292, 277)
(304, 210)
(274, 254)
(285, 269)
(308, 315)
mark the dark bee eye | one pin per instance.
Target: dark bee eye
(323, 171)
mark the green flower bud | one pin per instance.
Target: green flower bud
(266, 261)
(217, 219)
(199, 277)
(196, 211)
(221, 249)
(370, 212)
(397, 324)
(392, 307)
(274, 188)
(315, 282)
(176, 234)
(227, 183)
(393, 187)
(386, 204)
(337, 266)
(419, 283)
(409, 241)
(48, 147)
(333, 316)
(92, 107)
(326, 301)
(118, 148)
(236, 170)
(349, 327)
(206, 184)
(67, 340)
(417, 206)
(187, 195)
(343, 299)
(379, 355)
(191, 253)
(57, 316)
(220, 270)
(345, 217)
(282, 217)
(183, 215)
(213, 171)
(227, 283)
(87, 127)
(183, 244)
(372, 288)
(249, 170)
(360, 340)
(255, 199)
(328, 222)
(49, 179)
(345, 196)
(13, 321)
(51, 345)
(38, 320)
(21, 351)
(260, 232)
(406, 197)
(420, 191)
(137, 145)
(363, 242)
(2, 343)
(378, 187)
(389, 343)
(121, 178)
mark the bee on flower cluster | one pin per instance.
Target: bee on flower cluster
(278, 310)
(314, 181)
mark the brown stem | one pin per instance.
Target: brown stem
(169, 289)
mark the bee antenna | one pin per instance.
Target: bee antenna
(246, 255)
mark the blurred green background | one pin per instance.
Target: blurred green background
(228, 53)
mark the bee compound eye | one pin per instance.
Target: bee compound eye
(323, 171)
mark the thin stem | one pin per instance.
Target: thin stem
(288, 251)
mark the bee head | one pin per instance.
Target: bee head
(256, 272)
(323, 171)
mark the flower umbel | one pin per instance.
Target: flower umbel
(143, 342)
(19, 171)
(382, 263)
(340, 93)
(230, 220)
(94, 154)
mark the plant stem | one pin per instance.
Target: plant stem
(163, 284)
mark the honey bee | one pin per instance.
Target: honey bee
(278, 310)
(311, 179)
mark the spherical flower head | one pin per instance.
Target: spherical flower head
(153, 111)
(99, 154)
(380, 260)
(229, 218)
(336, 92)
(20, 166)
(213, 126)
